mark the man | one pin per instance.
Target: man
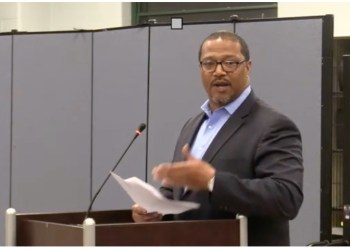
(239, 155)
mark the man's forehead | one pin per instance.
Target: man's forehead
(223, 45)
(220, 40)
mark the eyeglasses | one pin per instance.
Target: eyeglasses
(227, 66)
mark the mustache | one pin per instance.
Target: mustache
(220, 82)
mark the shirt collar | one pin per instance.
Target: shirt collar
(231, 107)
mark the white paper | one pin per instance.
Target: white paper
(150, 198)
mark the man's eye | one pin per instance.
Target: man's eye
(229, 63)
(209, 63)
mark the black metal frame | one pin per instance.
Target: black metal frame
(346, 147)
(326, 129)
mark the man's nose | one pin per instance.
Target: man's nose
(219, 70)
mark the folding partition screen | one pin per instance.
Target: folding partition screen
(288, 57)
(287, 73)
(79, 96)
(120, 73)
(51, 115)
(5, 125)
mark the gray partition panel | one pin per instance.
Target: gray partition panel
(51, 122)
(78, 98)
(5, 129)
(286, 72)
(176, 91)
(119, 106)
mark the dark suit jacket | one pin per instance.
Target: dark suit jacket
(257, 155)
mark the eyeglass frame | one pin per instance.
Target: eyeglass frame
(222, 65)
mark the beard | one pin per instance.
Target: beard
(220, 101)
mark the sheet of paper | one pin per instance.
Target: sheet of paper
(150, 198)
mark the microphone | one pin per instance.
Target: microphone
(138, 131)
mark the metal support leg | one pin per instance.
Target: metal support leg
(89, 236)
(10, 227)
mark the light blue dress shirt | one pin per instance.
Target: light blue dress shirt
(211, 126)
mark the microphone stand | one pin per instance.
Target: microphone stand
(89, 223)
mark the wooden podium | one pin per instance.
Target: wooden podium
(116, 228)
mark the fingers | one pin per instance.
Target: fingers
(187, 153)
(171, 174)
(138, 210)
(193, 174)
(160, 172)
(168, 175)
(140, 214)
(163, 172)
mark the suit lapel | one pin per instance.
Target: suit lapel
(230, 127)
(194, 125)
(233, 124)
(188, 136)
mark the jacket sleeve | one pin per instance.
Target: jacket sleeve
(276, 189)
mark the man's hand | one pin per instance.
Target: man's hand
(140, 214)
(192, 173)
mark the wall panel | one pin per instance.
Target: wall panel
(119, 106)
(286, 73)
(5, 127)
(51, 122)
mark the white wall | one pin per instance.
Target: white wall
(87, 15)
(341, 12)
(46, 16)
(8, 16)
(33, 17)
